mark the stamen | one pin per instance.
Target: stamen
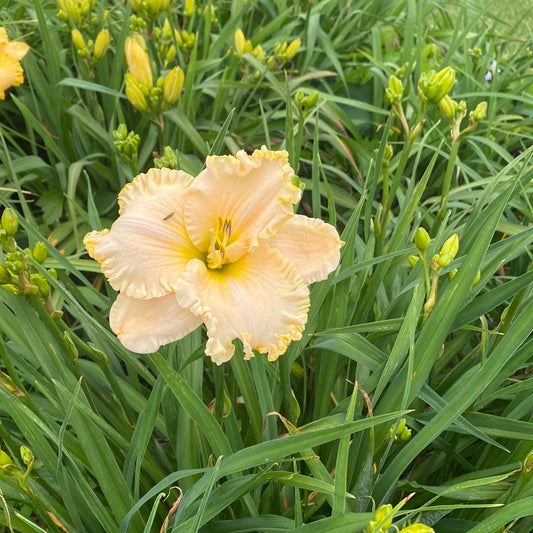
(218, 241)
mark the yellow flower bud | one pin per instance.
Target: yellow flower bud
(417, 528)
(447, 108)
(421, 239)
(79, 43)
(434, 86)
(450, 247)
(138, 60)
(292, 49)
(381, 519)
(170, 54)
(258, 52)
(189, 8)
(239, 41)
(135, 94)
(71, 8)
(172, 86)
(101, 44)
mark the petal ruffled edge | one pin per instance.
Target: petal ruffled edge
(260, 300)
(311, 244)
(142, 326)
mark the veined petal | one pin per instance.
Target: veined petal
(147, 248)
(261, 300)
(142, 326)
(254, 194)
(311, 244)
(11, 73)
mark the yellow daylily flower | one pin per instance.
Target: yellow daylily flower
(11, 72)
(224, 249)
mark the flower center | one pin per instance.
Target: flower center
(219, 239)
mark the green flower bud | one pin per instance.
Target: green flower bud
(52, 272)
(451, 273)
(380, 518)
(394, 91)
(434, 86)
(477, 278)
(421, 239)
(479, 113)
(26, 455)
(10, 221)
(4, 274)
(413, 260)
(447, 108)
(40, 251)
(43, 286)
(13, 289)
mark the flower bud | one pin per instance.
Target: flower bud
(78, 41)
(421, 239)
(451, 273)
(173, 86)
(42, 285)
(394, 91)
(40, 251)
(477, 278)
(417, 528)
(447, 108)
(239, 41)
(138, 60)
(10, 221)
(135, 94)
(292, 49)
(413, 260)
(380, 518)
(450, 247)
(26, 455)
(189, 8)
(13, 289)
(258, 52)
(4, 274)
(479, 113)
(434, 86)
(312, 100)
(101, 44)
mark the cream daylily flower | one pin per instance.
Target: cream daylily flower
(224, 249)
(11, 52)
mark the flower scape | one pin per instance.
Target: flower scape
(224, 249)
(11, 72)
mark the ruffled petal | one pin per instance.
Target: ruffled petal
(261, 300)
(11, 73)
(16, 49)
(311, 244)
(252, 195)
(142, 326)
(147, 248)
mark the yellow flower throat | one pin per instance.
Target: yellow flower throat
(219, 239)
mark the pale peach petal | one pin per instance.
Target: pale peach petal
(252, 195)
(147, 248)
(311, 244)
(261, 300)
(15, 49)
(11, 73)
(142, 326)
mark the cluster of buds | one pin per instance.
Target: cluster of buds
(283, 53)
(140, 88)
(149, 9)
(167, 160)
(305, 103)
(91, 51)
(126, 144)
(399, 432)
(18, 273)
(242, 46)
(454, 112)
(74, 11)
(434, 86)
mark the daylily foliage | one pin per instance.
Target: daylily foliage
(224, 249)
